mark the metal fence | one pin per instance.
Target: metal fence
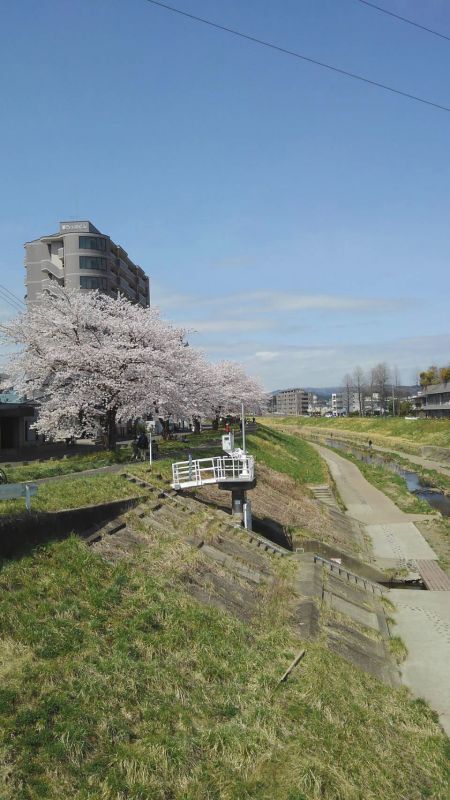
(334, 566)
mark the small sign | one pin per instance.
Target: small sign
(13, 491)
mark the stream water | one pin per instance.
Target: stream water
(433, 497)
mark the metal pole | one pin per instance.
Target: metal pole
(27, 497)
(243, 428)
(150, 453)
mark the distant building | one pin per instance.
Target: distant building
(434, 401)
(81, 257)
(337, 404)
(291, 402)
(16, 418)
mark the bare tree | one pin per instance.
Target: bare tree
(359, 380)
(380, 378)
(347, 390)
(396, 381)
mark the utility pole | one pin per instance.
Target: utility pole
(243, 428)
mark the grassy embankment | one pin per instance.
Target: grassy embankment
(288, 454)
(116, 684)
(68, 464)
(407, 435)
(72, 493)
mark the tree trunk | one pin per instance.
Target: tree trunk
(165, 428)
(110, 433)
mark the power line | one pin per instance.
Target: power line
(293, 53)
(11, 294)
(404, 19)
(6, 299)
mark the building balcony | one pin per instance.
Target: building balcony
(53, 269)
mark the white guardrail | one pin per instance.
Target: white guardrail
(201, 471)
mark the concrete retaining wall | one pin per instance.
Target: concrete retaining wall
(19, 532)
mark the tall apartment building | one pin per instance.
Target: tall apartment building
(434, 401)
(291, 402)
(81, 257)
(337, 404)
(345, 403)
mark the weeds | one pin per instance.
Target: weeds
(72, 493)
(116, 684)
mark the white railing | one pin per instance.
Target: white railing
(219, 469)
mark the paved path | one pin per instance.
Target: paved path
(363, 501)
(423, 622)
(422, 618)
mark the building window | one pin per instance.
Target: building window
(92, 243)
(87, 282)
(93, 262)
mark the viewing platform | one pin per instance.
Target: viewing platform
(235, 468)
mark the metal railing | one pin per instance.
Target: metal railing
(335, 567)
(200, 471)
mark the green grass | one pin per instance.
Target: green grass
(288, 454)
(72, 493)
(389, 431)
(64, 466)
(398, 649)
(280, 451)
(103, 458)
(116, 685)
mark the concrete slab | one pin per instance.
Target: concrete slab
(399, 540)
(365, 654)
(358, 614)
(423, 622)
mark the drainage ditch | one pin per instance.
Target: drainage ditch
(415, 483)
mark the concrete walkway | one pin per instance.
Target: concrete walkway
(421, 617)
(422, 621)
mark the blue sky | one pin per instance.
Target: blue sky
(297, 220)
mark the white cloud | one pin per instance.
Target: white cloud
(250, 302)
(267, 355)
(230, 326)
(298, 302)
(325, 365)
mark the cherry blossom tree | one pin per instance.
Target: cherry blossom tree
(232, 387)
(92, 361)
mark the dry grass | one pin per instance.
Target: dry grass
(390, 432)
(117, 685)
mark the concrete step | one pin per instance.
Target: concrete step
(231, 563)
